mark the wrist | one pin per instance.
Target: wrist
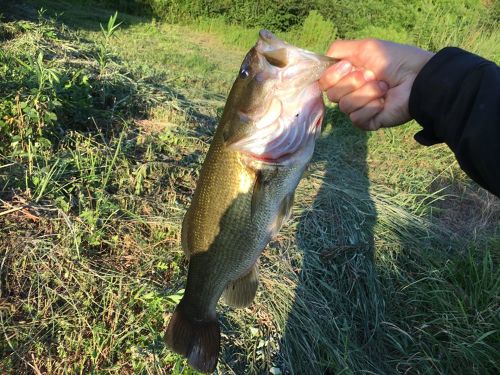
(423, 59)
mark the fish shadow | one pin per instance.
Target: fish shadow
(332, 321)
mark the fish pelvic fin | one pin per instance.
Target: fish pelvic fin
(241, 292)
(198, 341)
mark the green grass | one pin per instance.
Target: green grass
(390, 264)
(433, 27)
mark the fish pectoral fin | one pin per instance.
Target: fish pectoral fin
(263, 177)
(284, 214)
(257, 193)
(184, 236)
(286, 207)
(241, 292)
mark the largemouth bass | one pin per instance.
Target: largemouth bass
(244, 194)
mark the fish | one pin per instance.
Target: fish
(245, 191)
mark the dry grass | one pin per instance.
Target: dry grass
(390, 264)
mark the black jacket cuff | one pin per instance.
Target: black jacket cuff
(438, 81)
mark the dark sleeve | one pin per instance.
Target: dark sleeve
(456, 99)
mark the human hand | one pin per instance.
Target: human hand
(373, 80)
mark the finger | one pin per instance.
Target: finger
(362, 96)
(334, 74)
(347, 50)
(365, 118)
(349, 83)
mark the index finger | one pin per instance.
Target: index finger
(346, 50)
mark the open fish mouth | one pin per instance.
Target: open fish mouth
(294, 107)
(285, 128)
(296, 64)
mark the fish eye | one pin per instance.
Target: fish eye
(244, 73)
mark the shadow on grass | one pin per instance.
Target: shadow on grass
(334, 321)
(352, 315)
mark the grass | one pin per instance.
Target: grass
(433, 27)
(390, 264)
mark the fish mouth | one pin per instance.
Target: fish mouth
(290, 120)
(274, 50)
(294, 63)
(281, 135)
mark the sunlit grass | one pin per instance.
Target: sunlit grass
(390, 264)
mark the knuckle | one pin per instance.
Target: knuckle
(370, 44)
(344, 106)
(331, 95)
(354, 118)
(376, 89)
(358, 79)
(373, 125)
(380, 104)
(356, 121)
(323, 83)
(371, 91)
(377, 104)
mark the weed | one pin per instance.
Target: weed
(389, 265)
(104, 53)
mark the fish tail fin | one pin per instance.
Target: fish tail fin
(241, 292)
(198, 341)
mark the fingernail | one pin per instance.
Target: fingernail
(369, 75)
(383, 86)
(344, 67)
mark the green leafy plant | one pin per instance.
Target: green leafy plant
(389, 264)
(104, 46)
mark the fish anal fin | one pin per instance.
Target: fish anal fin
(198, 341)
(241, 292)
